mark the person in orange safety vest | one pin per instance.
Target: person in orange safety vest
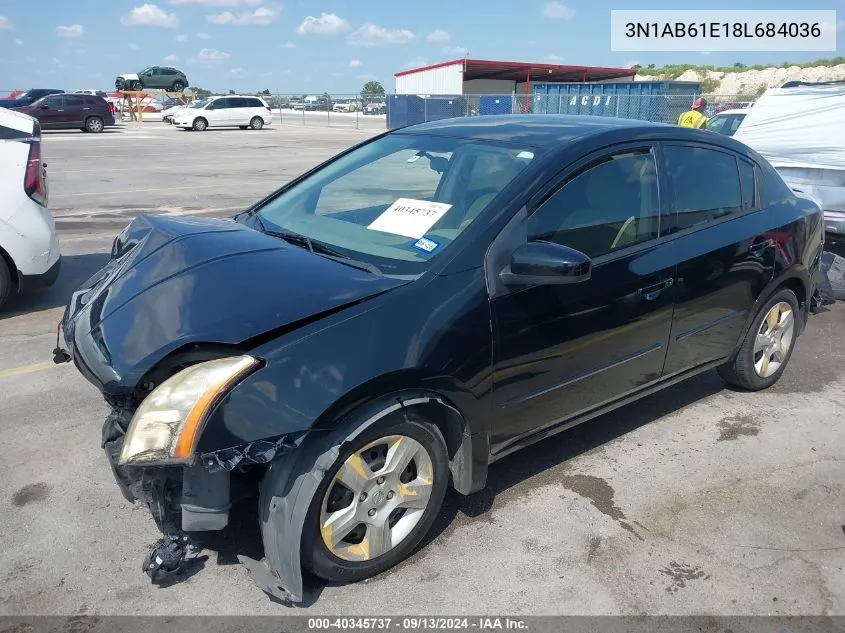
(695, 117)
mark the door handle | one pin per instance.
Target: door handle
(758, 248)
(650, 293)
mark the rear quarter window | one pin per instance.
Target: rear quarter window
(705, 183)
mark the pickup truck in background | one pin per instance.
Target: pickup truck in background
(27, 97)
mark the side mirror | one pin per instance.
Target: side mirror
(44, 106)
(439, 164)
(546, 263)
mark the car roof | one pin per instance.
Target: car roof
(533, 129)
(16, 125)
(734, 111)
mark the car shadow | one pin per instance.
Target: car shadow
(510, 478)
(75, 270)
(108, 130)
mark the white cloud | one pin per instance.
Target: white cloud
(19, 42)
(455, 50)
(552, 59)
(203, 36)
(171, 59)
(261, 15)
(439, 36)
(326, 24)
(5, 25)
(150, 15)
(134, 47)
(372, 35)
(558, 11)
(217, 3)
(354, 63)
(237, 72)
(182, 38)
(417, 62)
(287, 45)
(74, 30)
(212, 55)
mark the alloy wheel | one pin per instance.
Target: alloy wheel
(376, 498)
(774, 339)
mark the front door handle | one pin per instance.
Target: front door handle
(650, 293)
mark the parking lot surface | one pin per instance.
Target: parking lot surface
(698, 500)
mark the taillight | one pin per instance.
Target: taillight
(34, 183)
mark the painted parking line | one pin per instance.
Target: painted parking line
(28, 369)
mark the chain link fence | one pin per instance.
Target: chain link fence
(412, 109)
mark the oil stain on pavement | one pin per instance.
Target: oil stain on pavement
(600, 493)
(681, 574)
(737, 426)
(31, 493)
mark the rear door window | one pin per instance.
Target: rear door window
(705, 184)
(74, 101)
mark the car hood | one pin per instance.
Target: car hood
(128, 76)
(173, 282)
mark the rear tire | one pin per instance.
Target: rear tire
(427, 471)
(770, 340)
(136, 86)
(94, 124)
(257, 123)
(200, 124)
(178, 86)
(5, 282)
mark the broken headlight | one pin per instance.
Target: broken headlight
(167, 425)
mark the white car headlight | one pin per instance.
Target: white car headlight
(167, 425)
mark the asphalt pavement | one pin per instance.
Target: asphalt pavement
(697, 500)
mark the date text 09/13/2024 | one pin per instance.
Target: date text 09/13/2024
(424, 623)
(718, 30)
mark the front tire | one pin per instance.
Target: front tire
(136, 86)
(768, 345)
(257, 123)
(5, 282)
(200, 124)
(178, 86)
(377, 502)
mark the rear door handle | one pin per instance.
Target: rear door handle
(758, 248)
(649, 293)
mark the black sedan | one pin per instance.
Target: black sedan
(392, 322)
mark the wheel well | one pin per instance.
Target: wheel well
(13, 269)
(796, 286)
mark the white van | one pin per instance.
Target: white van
(800, 130)
(227, 111)
(29, 245)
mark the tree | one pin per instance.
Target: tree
(266, 91)
(637, 66)
(201, 93)
(739, 65)
(231, 92)
(372, 90)
(650, 66)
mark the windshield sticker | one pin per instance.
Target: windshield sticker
(425, 244)
(409, 217)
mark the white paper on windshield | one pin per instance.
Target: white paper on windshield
(409, 217)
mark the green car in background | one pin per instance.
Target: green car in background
(158, 77)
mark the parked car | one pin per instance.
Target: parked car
(375, 108)
(396, 320)
(801, 132)
(28, 98)
(30, 257)
(345, 105)
(727, 121)
(88, 91)
(72, 111)
(154, 77)
(168, 113)
(227, 111)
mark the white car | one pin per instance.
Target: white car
(226, 111)
(29, 245)
(168, 113)
(727, 121)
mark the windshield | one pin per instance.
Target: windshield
(397, 202)
(200, 103)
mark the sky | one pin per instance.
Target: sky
(312, 46)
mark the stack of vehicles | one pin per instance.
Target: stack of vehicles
(153, 77)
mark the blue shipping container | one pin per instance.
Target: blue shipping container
(495, 104)
(659, 101)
